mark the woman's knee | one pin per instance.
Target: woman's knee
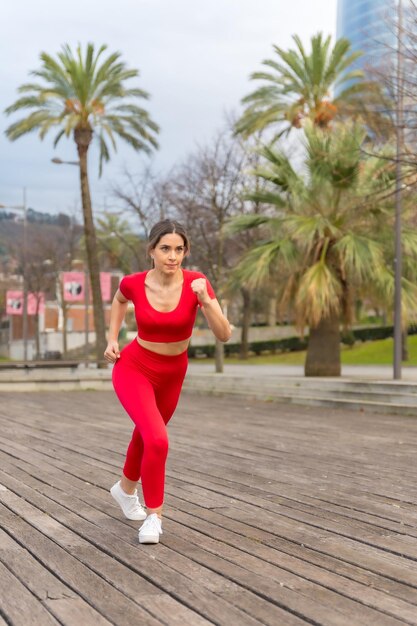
(137, 437)
(157, 445)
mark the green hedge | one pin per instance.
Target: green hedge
(293, 344)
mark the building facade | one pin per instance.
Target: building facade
(370, 27)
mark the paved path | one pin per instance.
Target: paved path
(277, 515)
(375, 372)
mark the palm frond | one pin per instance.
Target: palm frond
(267, 197)
(361, 256)
(77, 89)
(255, 266)
(307, 229)
(319, 293)
(384, 285)
(299, 86)
(242, 223)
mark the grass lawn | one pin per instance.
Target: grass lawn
(367, 353)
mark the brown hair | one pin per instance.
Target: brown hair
(166, 227)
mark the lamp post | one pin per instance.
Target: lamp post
(23, 207)
(87, 313)
(398, 248)
(59, 161)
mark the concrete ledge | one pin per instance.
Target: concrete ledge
(378, 396)
(375, 405)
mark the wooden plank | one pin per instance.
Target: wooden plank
(106, 599)
(273, 508)
(263, 571)
(252, 600)
(89, 537)
(401, 542)
(316, 505)
(284, 547)
(19, 606)
(61, 601)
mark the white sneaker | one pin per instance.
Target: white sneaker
(130, 505)
(151, 529)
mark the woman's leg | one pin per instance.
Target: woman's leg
(137, 396)
(128, 486)
(167, 397)
(166, 401)
(131, 469)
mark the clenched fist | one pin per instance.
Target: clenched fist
(199, 286)
(112, 352)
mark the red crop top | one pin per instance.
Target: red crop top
(164, 326)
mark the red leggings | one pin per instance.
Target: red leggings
(148, 385)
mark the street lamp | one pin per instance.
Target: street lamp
(398, 248)
(59, 161)
(23, 208)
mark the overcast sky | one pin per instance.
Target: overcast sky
(194, 59)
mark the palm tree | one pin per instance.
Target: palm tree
(85, 96)
(300, 86)
(329, 237)
(119, 247)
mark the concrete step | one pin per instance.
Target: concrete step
(293, 382)
(400, 398)
(64, 373)
(379, 396)
(373, 406)
(269, 389)
(265, 393)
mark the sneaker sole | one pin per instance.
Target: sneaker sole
(142, 516)
(149, 539)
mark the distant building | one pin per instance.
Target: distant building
(50, 323)
(370, 27)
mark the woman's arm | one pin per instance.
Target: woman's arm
(218, 323)
(117, 315)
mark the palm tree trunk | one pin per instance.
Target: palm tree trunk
(323, 352)
(83, 140)
(272, 311)
(246, 315)
(219, 357)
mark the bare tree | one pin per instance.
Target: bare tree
(206, 190)
(144, 196)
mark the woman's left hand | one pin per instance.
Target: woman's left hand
(199, 286)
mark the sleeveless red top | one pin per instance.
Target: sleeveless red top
(166, 326)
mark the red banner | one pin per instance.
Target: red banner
(74, 284)
(105, 285)
(36, 301)
(14, 303)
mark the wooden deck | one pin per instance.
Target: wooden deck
(274, 515)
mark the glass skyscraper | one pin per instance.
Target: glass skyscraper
(370, 27)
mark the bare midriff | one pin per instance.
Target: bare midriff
(169, 349)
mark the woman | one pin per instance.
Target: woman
(149, 372)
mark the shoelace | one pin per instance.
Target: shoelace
(152, 523)
(134, 504)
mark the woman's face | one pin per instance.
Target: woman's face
(169, 253)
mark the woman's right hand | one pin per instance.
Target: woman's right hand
(112, 352)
